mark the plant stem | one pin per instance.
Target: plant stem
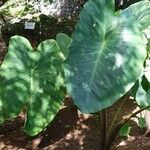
(1, 15)
(103, 121)
(120, 124)
(126, 97)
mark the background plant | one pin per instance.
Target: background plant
(34, 79)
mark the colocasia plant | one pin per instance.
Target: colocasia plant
(33, 78)
(109, 58)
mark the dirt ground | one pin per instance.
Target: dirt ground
(70, 130)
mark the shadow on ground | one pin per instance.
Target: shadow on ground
(70, 130)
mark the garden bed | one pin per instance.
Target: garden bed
(70, 130)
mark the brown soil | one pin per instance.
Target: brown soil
(70, 130)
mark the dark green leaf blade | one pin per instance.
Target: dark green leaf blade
(105, 49)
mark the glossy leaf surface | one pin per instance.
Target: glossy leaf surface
(105, 58)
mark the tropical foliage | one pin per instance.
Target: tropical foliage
(32, 78)
(108, 57)
(107, 54)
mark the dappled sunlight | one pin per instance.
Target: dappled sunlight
(135, 139)
(71, 132)
(127, 35)
(72, 129)
(77, 137)
(124, 143)
(105, 60)
(33, 78)
(2, 145)
(119, 60)
(103, 66)
(133, 142)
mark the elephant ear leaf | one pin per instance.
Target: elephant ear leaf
(14, 75)
(140, 12)
(105, 48)
(47, 88)
(64, 42)
(32, 78)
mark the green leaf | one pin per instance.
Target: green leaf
(145, 83)
(50, 1)
(140, 12)
(148, 96)
(105, 59)
(64, 42)
(134, 89)
(147, 70)
(125, 130)
(142, 94)
(32, 77)
(14, 82)
(141, 122)
(142, 97)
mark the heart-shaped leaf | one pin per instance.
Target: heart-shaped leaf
(140, 12)
(32, 77)
(64, 42)
(106, 57)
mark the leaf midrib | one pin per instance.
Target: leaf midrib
(95, 67)
(31, 83)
